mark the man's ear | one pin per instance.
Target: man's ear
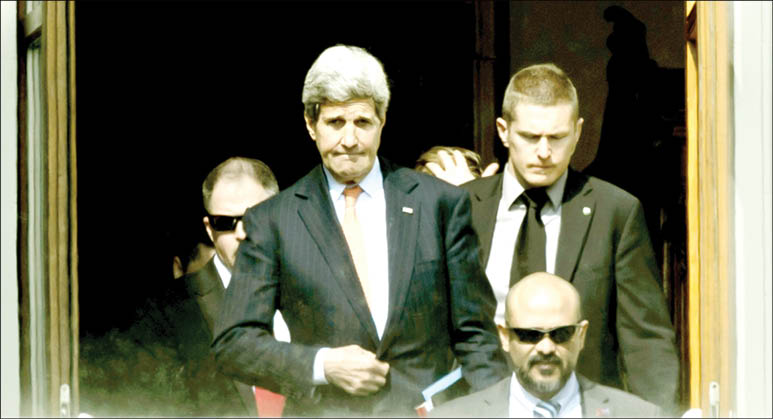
(208, 227)
(583, 331)
(577, 132)
(504, 337)
(177, 267)
(310, 127)
(578, 129)
(502, 128)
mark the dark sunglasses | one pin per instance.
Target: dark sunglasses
(223, 222)
(558, 335)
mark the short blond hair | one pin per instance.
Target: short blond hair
(539, 84)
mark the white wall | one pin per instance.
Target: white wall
(753, 170)
(11, 395)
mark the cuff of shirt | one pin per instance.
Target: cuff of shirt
(319, 367)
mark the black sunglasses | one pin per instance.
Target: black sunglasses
(559, 335)
(223, 222)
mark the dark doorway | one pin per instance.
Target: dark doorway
(166, 91)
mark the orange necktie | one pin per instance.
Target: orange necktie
(354, 238)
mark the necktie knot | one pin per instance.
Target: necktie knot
(546, 409)
(351, 195)
(535, 197)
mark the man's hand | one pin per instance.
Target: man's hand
(490, 170)
(355, 370)
(453, 168)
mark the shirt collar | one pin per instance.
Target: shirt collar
(564, 397)
(222, 271)
(569, 391)
(512, 189)
(370, 184)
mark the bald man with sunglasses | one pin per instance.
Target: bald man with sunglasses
(543, 334)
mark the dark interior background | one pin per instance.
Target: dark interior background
(166, 91)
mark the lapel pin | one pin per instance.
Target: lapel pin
(408, 210)
(586, 210)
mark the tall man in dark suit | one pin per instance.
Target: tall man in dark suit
(544, 333)
(593, 234)
(374, 268)
(186, 313)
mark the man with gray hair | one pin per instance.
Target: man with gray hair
(374, 267)
(540, 215)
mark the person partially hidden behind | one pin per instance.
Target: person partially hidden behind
(192, 257)
(540, 215)
(543, 335)
(374, 268)
(187, 312)
(455, 165)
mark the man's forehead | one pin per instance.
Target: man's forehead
(542, 319)
(528, 112)
(355, 106)
(543, 305)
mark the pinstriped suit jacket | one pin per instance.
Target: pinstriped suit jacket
(296, 259)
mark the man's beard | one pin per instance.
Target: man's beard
(542, 387)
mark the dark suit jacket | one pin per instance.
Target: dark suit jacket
(605, 251)
(184, 317)
(596, 401)
(295, 258)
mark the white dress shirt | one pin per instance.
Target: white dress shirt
(508, 223)
(371, 214)
(521, 403)
(281, 332)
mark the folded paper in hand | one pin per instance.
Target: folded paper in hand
(435, 388)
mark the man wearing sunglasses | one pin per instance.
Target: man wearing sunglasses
(190, 307)
(543, 334)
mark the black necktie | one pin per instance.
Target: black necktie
(529, 254)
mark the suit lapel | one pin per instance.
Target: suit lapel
(318, 215)
(402, 228)
(207, 287)
(247, 397)
(595, 404)
(485, 196)
(577, 211)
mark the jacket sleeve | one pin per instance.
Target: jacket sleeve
(243, 343)
(473, 335)
(645, 333)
